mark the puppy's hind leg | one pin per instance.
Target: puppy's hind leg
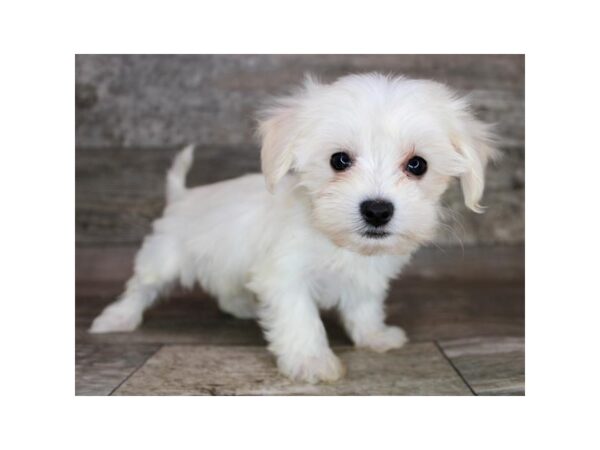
(156, 269)
(126, 313)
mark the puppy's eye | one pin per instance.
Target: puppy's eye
(340, 161)
(417, 166)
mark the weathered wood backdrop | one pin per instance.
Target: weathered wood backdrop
(133, 112)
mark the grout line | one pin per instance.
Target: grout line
(135, 370)
(454, 367)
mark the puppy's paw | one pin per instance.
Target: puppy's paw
(385, 339)
(325, 367)
(116, 318)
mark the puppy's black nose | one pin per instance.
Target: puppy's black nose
(377, 212)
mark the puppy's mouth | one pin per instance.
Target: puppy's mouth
(375, 234)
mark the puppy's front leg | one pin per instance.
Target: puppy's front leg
(363, 316)
(296, 335)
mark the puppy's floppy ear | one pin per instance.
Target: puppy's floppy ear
(280, 129)
(276, 154)
(475, 141)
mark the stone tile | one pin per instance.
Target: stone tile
(491, 365)
(99, 369)
(417, 369)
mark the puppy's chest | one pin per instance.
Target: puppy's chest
(331, 275)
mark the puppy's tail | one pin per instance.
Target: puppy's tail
(176, 174)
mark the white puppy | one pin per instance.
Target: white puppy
(354, 173)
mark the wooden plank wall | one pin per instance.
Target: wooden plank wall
(133, 112)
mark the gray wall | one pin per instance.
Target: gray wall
(133, 112)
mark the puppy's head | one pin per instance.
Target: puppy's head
(375, 154)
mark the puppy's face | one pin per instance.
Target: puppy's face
(375, 154)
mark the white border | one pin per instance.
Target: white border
(38, 43)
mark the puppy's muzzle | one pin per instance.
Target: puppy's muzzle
(377, 212)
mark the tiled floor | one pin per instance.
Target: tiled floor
(464, 313)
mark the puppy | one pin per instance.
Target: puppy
(354, 173)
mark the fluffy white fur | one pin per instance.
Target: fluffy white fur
(280, 253)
